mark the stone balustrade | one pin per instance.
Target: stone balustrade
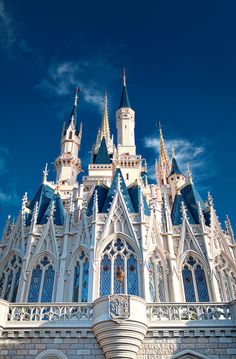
(189, 311)
(47, 311)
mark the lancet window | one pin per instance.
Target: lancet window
(156, 279)
(194, 281)
(118, 269)
(226, 280)
(9, 279)
(42, 281)
(81, 276)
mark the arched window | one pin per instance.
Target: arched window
(194, 281)
(81, 275)
(9, 279)
(226, 279)
(118, 256)
(156, 279)
(42, 281)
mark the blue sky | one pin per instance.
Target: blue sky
(180, 58)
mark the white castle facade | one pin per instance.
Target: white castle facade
(116, 266)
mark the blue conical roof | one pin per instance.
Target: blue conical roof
(102, 155)
(124, 101)
(175, 168)
(45, 196)
(112, 192)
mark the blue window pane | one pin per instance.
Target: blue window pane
(188, 285)
(118, 286)
(160, 281)
(203, 295)
(105, 279)
(85, 281)
(48, 285)
(76, 283)
(151, 282)
(35, 285)
(16, 284)
(132, 275)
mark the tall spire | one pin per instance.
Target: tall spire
(164, 158)
(124, 77)
(105, 129)
(124, 101)
(73, 117)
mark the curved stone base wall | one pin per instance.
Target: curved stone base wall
(120, 325)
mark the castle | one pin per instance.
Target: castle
(116, 266)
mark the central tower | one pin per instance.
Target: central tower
(125, 124)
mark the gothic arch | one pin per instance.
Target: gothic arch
(41, 281)
(119, 254)
(10, 273)
(226, 277)
(189, 354)
(195, 282)
(78, 270)
(51, 354)
(157, 267)
(111, 237)
(194, 254)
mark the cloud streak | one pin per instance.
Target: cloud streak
(62, 77)
(10, 37)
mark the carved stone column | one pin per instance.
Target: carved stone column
(120, 325)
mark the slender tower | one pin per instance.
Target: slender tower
(125, 124)
(68, 164)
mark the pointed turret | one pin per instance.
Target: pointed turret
(68, 164)
(163, 158)
(105, 128)
(176, 179)
(163, 166)
(125, 124)
(124, 100)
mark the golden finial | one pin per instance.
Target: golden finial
(105, 128)
(164, 159)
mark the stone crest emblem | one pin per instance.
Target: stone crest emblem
(119, 307)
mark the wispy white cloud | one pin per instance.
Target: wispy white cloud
(10, 36)
(92, 74)
(197, 155)
(62, 77)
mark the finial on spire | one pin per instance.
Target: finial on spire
(189, 174)
(124, 77)
(105, 128)
(183, 211)
(210, 199)
(173, 152)
(118, 181)
(45, 174)
(77, 91)
(52, 210)
(164, 159)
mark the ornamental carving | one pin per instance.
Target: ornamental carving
(119, 307)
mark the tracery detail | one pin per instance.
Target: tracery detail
(194, 281)
(118, 254)
(157, 290)
(9, 280)
(42, 281)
